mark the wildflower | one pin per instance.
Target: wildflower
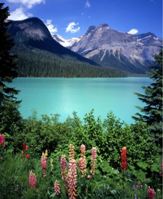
(2, 139)
(32, 180)
(89, 177)
(27, 156)
(46, 153)
(93, 160)
(57, 189)
(151, 193)
(124, 158)
(82, 161)
(82, 149)
(44, 163)
(24, 151)
(94, 153)
(25, 147)
(71, 152)
(82, 165)
(72, 179)
(63, 165)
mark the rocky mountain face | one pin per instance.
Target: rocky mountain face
(32, 32)
(111, 48)
(100, 46)
(38, 54)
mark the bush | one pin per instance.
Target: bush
(104, 182)
(109, 136)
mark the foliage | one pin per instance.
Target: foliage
(108, 136)
(42, 63)
(7, 59)
(151, 113)
(103, 176)
(10, 118)
(107, 182)
(44, 133)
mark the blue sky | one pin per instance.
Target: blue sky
(71, 18)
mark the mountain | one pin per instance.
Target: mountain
(66, 42)
(111, 48)
(38, 54)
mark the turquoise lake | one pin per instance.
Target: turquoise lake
(63, 96)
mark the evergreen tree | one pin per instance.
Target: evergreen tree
(10, 118)
(7, 60)
(151, 113)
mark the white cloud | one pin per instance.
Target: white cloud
(87, 4)
(19, 14)
(133, 31)
(27, 3)
(73, 27)
(51, 27)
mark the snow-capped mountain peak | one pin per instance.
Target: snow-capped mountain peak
(120, 50)
(66, 42)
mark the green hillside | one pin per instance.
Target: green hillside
(39, 63)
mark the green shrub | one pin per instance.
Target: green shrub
(109, 136)
(108, 182)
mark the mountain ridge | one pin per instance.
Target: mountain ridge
(38, 54)
(109, 47)
(27, 32)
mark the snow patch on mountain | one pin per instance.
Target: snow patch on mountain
(110, 47)
(66, 42)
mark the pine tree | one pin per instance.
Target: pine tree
(7, 60)
(151, 113)
(10, 119)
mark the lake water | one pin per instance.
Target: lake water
(63, 96)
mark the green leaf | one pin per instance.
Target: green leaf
(142, 165)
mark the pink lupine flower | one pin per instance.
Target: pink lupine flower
(94, 153)
(57, 189)
(2, 139)
(72, 179)
(44, 163)
(93, 160)
(71, 152)
(151, 193)
(46, 153)
(82, 149)
(44, 166)
(82, 165)
(63, 166)
(32, 180)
